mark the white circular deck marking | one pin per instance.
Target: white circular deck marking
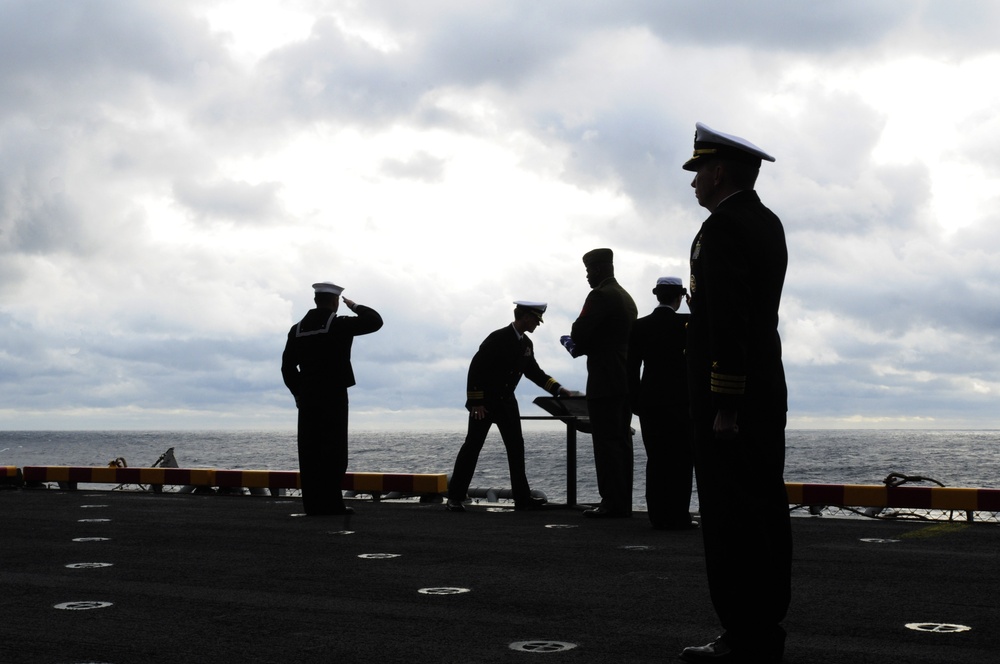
(940, 628)
(542, 646)
(88, 565)
(83, 606)
(636, 547)
(91, 506)
(878, 540)
(340, 532)
(379, 556)
(442, 591)
(562, 525)
(499, 509)
(92, 520)
(91, 539)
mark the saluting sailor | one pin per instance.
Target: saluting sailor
(316, 367)
(503, 357)
(739, 401)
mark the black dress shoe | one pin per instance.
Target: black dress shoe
(529, 504)
(716, 651)
(454, 506)
(605, 513)
(721, 650)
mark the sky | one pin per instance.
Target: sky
(175, 174)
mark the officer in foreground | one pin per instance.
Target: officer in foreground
(739, 401)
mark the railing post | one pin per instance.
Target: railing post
(570, 464)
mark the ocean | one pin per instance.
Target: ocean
(965, 458)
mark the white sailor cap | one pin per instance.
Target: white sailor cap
(537, 308)
(327, 287)
(709, 144)
(669, 285)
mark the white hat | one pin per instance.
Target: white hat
(669, 281)
(709, 143)
(537, 308)
(327, 287)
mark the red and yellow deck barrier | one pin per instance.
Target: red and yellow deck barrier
(422, 483)
(844, 495)
(914, 497)
(10, 475)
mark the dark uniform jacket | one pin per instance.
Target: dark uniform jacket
(317, 355)
(738, 263)
(601, 332)
(656, 364)
(497, 367)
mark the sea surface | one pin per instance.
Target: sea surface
(965, 458)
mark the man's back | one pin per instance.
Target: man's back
(657, 345)
(601, 332)
(318, 350)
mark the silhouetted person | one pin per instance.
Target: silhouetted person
(739, 401)
(659, 394)
(495, 371)
(601, 332)
(316, 367)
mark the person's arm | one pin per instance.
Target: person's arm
(535, 374)
(585, 327)
(482, 374)
(633, 366)
(367, 320)
(727, 279)
(290, 369)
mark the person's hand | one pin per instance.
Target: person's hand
(563, 392)
(350, 303)
(725, 426)
(478, 412)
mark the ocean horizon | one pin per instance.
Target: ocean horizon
(958, 457)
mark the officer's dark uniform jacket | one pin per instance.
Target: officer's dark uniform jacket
(497, 366)
(738, 262)
(317, 355)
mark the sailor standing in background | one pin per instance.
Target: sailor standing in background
(495, 371)
(739, 401)
(601, 332)
(316, 367)
(659, 396)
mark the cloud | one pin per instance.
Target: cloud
(230, 200)
(175, 175)
(420, 166)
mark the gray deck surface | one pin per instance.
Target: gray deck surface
(238, 579)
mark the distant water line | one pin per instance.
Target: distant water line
(955, 458)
